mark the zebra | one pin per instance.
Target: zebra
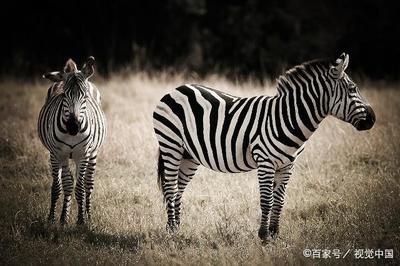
(72, 125)
(197, 125)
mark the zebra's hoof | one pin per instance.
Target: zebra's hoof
(63, 220)
(51, 220)
(274, 232)
(265, 235)
(172, 228)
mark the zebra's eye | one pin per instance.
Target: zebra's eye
(353, 89)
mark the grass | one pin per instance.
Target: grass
(343, 195)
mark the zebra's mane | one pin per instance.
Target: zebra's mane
(285, 80)
(75, 80)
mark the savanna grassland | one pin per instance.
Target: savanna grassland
(344, 193)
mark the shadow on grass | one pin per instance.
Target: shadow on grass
(91, 235)
(39, 228)
(131, 242)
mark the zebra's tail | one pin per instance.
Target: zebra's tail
(160, 173)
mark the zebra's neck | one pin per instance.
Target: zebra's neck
(302, 101)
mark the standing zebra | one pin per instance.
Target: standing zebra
(198, 125)
(71, 125)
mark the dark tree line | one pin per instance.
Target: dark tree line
(239, 38)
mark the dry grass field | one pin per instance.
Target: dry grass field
(344, 193)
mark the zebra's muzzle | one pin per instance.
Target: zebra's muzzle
(368, 122)
(73, 126)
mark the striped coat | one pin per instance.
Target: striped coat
(198, 125)
(72, 125)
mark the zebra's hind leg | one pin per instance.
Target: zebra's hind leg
(68, 186)
(80, 188)
(56, 186)
(89, 183)
(280, 181)
(186, 172)
(169, 162)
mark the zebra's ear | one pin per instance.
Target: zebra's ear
(70, 66)
(340, 65)
(55, 76)
(88, 67)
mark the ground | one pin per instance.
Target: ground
(343, 196)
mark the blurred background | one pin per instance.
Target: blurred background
(255, 38)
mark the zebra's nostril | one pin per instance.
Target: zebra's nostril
(74, 117)
(73, 126)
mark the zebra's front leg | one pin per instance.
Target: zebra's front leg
(186, 172)
(282, 177)
(56, 186)
(89, 184)
(68, 186)
(266, 172)
(80, 188)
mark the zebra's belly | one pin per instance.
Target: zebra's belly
(221, 158)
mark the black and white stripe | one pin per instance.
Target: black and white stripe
(72, 125)
(198, 125)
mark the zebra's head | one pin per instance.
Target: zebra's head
(75, 92)
(346, 102)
